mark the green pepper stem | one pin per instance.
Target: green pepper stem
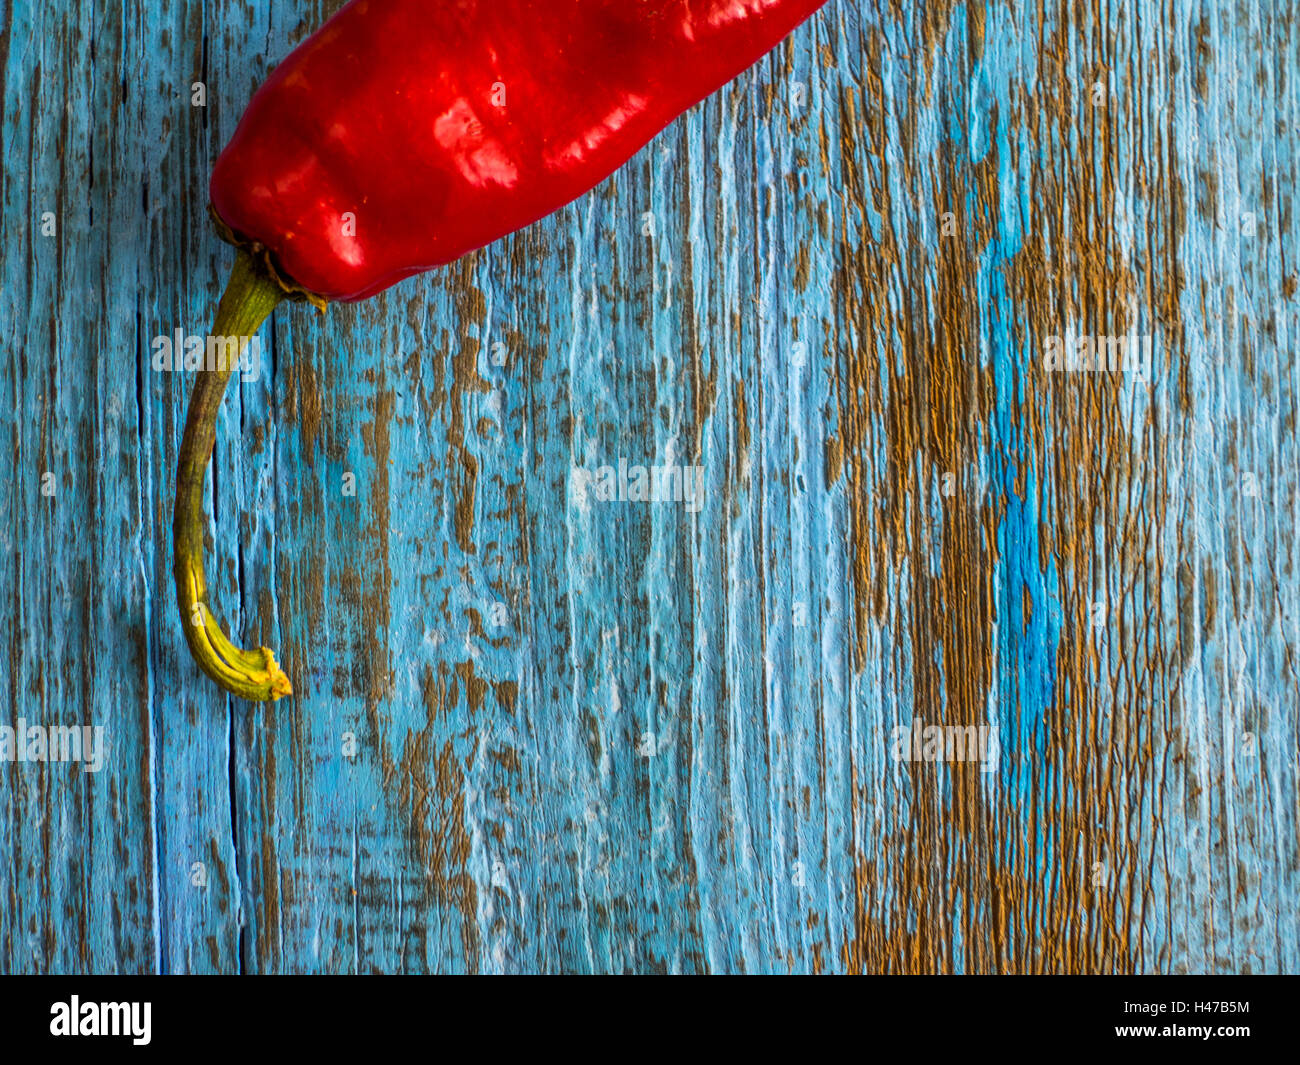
(250, 296)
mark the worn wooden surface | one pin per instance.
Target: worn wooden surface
(628, 737)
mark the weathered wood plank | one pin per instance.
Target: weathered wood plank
(534, 730)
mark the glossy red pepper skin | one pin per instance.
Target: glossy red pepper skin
(405, 133)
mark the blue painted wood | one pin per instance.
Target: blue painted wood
(537, 731)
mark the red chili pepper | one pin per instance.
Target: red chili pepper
(405, 133)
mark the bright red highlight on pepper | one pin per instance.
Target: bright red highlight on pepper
(406, 133)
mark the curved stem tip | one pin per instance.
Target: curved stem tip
(250, 296)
